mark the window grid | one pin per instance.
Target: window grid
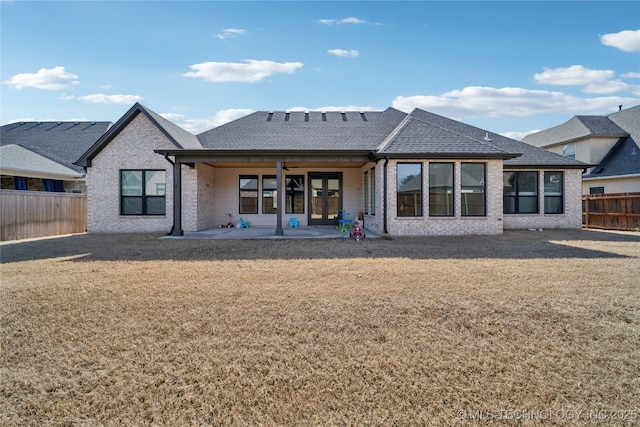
(142, 192)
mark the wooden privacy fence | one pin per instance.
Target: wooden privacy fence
(615, 211)
(27, 214)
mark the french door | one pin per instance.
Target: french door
(325, 197)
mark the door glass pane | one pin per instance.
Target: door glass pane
(316, 198)
(333, 201)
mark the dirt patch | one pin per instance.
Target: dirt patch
(134, 330)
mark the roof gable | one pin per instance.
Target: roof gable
(178, 136)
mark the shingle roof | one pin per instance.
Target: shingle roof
(576, 128)
(624, 157)
(464, 139)
(19, 161)
(319, 131)
(61, 142)
(424, 133)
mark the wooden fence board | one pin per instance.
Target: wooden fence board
(28, 214)
(615, 211)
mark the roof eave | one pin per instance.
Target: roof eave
(470, 156)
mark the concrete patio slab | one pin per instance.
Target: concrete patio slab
(310, 232)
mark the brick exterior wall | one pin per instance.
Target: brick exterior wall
(132, 148)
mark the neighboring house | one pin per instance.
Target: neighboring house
(608, 142)
(40, 156)
(403, 174)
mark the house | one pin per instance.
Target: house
(40, 156)
(608, 142)
(402, 174)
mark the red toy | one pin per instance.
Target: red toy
(357, 232)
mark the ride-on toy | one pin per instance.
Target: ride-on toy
(357, 232)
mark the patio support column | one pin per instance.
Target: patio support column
(177, 199)
(279, 230)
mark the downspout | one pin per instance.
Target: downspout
(384, 202)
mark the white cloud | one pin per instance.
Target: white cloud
(100, 98)
(55, 78)
(350, 20)
(107, 86)
(249, 71)
(230, 32)
(628, 41)
(518, 136)
(475, 101)
(611, 86)
(197, 126)
(344, 53)
(66, 97)
(631, 75)
(574, 75)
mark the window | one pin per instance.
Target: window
(409, 189)
(269, 195)
(366, 192)
(569, 150)
(248, 194)
(520, 192)
(142, 192)
(441, 189)
(372, 199)
(295, 194)
(596, 190)
(473, 188)
(553, 193)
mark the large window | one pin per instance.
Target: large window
(142, 192)
(441, 189)
(248, 194)
(473, 187)
(372, 199)
(409, 189)
(553, 193)
(295, 194)
(520, 192)
(269, 195)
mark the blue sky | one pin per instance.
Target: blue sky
(508, 67)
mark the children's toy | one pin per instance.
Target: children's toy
(357, 232)
(293, 223)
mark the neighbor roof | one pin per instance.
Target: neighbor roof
(19, 161)
(59, 142)
(578, 127)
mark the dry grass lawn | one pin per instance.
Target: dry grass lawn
(520, 329)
